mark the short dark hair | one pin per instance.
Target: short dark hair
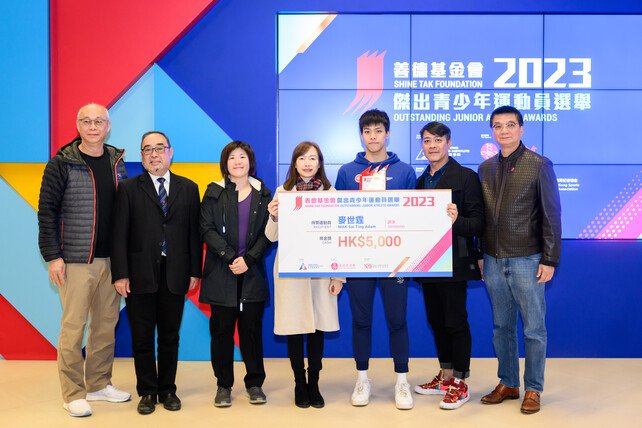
(154, 132)
(225, 155)
(507, 110)
(293, 174)
(374, 117)
(436, 128)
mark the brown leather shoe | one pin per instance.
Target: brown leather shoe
(531, 402)
(499, 394)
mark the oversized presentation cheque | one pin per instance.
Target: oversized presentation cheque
(398, 233)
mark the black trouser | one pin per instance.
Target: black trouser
(315, 351)
(146, 312)
(250, 326)
(447, 315)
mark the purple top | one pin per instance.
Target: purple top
(244, 222)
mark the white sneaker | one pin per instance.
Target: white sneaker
(403, 397)
(109, 393)
(78, 408)
(361, 393)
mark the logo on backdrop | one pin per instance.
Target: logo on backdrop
(488, 150)
(369, 81)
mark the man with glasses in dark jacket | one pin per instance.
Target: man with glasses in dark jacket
(522, 246)
(74, 219)
(156, 259)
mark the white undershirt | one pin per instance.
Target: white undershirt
(157, 184)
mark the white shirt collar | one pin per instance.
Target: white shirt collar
(157, 184)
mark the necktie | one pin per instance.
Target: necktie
(162, 194)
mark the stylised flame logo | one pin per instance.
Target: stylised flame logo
(369, 81)
(298, 203)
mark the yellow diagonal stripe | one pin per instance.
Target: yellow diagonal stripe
(25, 179)
(316, 33)
(200, 173)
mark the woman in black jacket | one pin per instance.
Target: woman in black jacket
(445, 298)
(233, 218)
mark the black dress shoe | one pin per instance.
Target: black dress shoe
(147, 404)
(170, 401)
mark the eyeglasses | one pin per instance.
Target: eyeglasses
(158, 149)
(98, 122)
(510, 125)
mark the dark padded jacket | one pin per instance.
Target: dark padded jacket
(523, 214)
(220, 232)
(470, 223)
(68, 208)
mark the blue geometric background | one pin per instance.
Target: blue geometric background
(218, 83)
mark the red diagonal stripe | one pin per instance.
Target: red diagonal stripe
(19, 340)
(98, 50)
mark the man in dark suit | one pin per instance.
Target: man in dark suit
(156, 258)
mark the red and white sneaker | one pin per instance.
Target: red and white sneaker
(456, 396)
(437, 386)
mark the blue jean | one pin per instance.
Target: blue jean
(512, 286)
(394, 293)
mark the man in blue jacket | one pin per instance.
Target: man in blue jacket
(74, 219)
(391, 174)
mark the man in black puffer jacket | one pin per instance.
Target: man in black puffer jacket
(74, 214)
